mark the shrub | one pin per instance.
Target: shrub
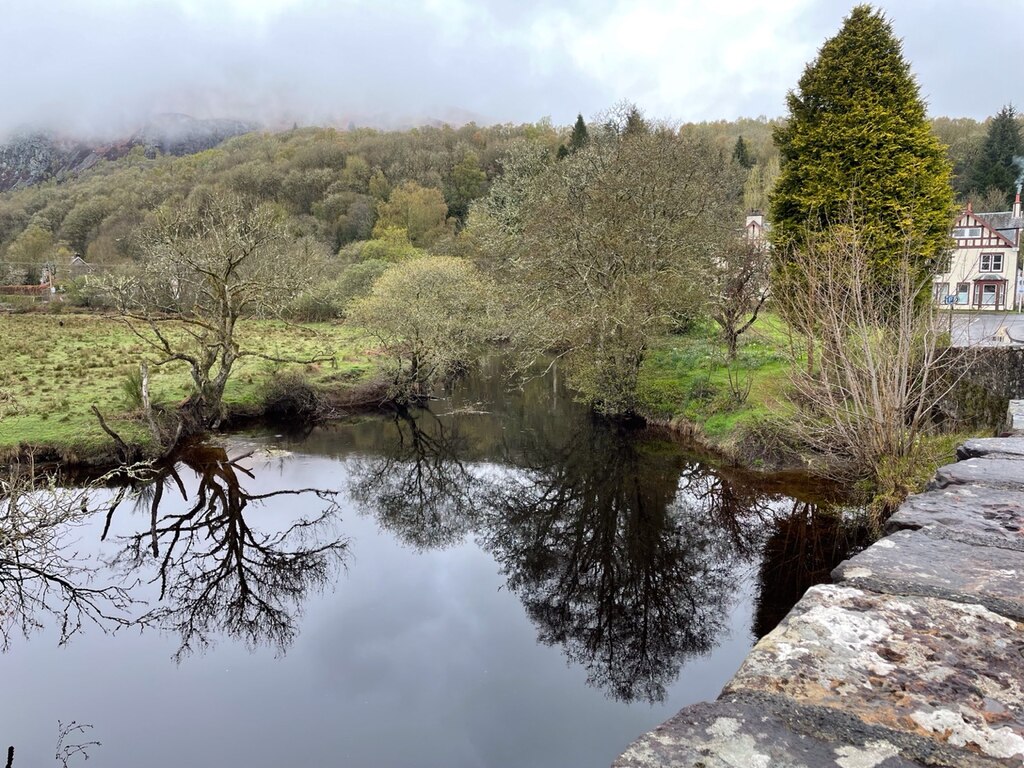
(131, 388)
(290, 397)
(85, 292)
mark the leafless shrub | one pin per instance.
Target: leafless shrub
(883, 358)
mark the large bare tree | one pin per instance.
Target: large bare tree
(210, 262)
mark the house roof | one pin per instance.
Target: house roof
(1005, 223)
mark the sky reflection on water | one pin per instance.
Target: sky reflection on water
(509, 584)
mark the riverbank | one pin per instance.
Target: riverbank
(688, 385)
(57, 365)
(741, 411)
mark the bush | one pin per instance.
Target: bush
(86, 292)
(290, 397)
(315, 305)
(131, 388)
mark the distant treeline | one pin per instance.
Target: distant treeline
(336, 185)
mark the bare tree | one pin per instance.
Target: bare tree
(739, 276)
(210, 262)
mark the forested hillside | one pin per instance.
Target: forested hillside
(340, 187)
(333, 185)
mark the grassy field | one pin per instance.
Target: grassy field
(55, 366)
(688, 376)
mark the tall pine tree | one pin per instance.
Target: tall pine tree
(857, 135)
(741, 154)
(579, 137)
(996, 168)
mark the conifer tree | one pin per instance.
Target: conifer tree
(579, 137)
(857, 145)
(996, 167)
(741, 155)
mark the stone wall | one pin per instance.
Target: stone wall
(992, 377)
(914, 656)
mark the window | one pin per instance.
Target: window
(965, 232)
(941, 292)
(963, 293)
(991, 262)
(988, 295)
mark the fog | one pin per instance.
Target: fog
(101, 68)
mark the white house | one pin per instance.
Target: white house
(985, 267)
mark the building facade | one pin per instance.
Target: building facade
(984, 270)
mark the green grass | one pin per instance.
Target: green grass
(55, 366)
(687, 377)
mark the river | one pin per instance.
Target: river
(500, 580)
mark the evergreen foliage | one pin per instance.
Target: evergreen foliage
(741, 155)
(858, 147)
(579, 137)
(996, 167)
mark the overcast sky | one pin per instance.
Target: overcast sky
(105, 65)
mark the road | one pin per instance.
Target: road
(988, 328)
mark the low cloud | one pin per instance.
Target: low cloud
(102, 67)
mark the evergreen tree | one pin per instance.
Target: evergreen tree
(996, 167)
(579, 137)
(635, 123)
(857, 143)
(741, 155)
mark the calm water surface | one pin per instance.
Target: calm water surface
(499, 581)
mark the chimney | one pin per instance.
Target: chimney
(970, 207)
(1016, 205)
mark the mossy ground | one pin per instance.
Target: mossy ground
(54, 367)
(688, 376)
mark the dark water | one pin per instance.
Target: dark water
(501, 581)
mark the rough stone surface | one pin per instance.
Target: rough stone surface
(970, 513)
(996, 447)
(914, 563)
(925, 667)
(738, 734)
(991, 472)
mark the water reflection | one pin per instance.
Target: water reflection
(611, 561)
(216, 569)
(624, 551)
(802, 548)
(418, 484)
(42, 573)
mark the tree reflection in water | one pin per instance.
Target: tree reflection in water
(623, 551)
(216, 570)
(42, 575)
(802, 549)
(419, 487)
